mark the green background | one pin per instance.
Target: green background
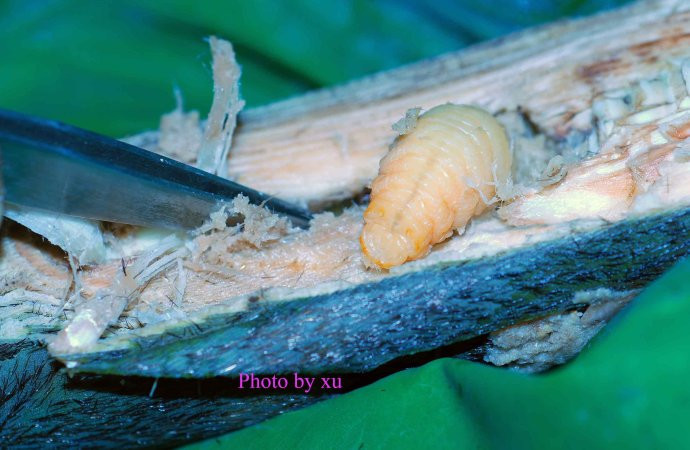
(112, 67)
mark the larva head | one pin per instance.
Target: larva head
(382, 247)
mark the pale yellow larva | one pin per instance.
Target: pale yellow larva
(434, 180)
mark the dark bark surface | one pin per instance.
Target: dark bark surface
(40, 406)
(363, 327)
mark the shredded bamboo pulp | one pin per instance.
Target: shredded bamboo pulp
(93, 317)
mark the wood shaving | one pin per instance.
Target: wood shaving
(406, 124)
(222, 119)
(543, 343)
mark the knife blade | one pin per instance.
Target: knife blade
(53, 166)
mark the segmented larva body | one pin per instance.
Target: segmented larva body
(433, 181)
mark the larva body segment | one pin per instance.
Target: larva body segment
(434, 180)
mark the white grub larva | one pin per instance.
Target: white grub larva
(434, 180)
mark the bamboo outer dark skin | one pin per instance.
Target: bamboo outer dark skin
(363, 327)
